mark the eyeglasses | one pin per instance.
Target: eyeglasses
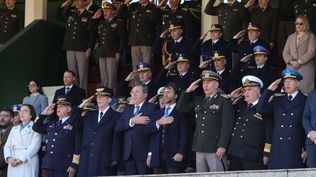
(297, 23)
(32, 85)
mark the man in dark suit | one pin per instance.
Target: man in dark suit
(251, 138)
(214, 118)
(132, 124)
(74, 94)
(97, 158)
(63, 138)
(11, 20)
(233, 16)
(170, 136)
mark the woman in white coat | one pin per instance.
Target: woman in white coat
(20, 150)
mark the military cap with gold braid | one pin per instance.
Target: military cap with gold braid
(104, 91)
(174, 26)
(160, 91)
(107, 5)
(260, 50)
(210, 75)
(63, 100)
(291, 73)
(253, 27)
(122, 100)
(182, 58)
(142, 66)
(216, 27)
(218, 56)
(251, 81)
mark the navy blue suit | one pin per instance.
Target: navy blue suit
(136, 143)
(176, 139)
(288, 133)
(75, 95)
(309, 123)
(63, 141)
(100, 144)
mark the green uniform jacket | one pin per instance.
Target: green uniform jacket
(214, 118)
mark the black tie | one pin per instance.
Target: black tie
(60, 122)
(249, 105)
(101, 115)
(290, 97)
(67, 90)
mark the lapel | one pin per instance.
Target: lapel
(211, 101)
(303, 39)
(27, 129)
(59, 127)
(105, 118)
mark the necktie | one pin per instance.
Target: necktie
(136, 110)
(290, 97)
(100, 117)
(249, 105)
(60, 122)
(166, 113)
(67, 90)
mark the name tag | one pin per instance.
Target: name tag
(257, 115)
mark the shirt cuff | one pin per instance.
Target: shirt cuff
(130, 123)
(157, 125)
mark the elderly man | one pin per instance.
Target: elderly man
(132, 124)
(214, 117)
(251, 138)
(287, 149)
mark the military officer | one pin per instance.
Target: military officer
(233, 16)
(96, 157)
(183, 76)
(261, 70)
(287, 147)
(77, 41)
(111, 34)
(142, 75)
(63, 137)
(143, 25)
(244, 46)
(216, 42)
(251, 138)
(11, 20)
(214, 118)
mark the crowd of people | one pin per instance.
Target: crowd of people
(218, 102)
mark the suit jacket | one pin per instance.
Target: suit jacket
(136, 143)
(288, 133)
(39, 102)
(304, 51)
(75, 94)
(309, 120)
(95, 155)
(233, 18)
(175, 136)
(214, 119)
(63, 140)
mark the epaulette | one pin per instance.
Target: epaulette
(225, 95)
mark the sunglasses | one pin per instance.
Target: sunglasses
(297, 23)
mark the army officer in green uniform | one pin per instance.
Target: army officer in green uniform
(214, 118)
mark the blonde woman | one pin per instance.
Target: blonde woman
(299, 53)
(20, 150)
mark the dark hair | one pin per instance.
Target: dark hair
(71, 72)
(172, 85)
(32, 110)
(8, 110)
(39, 85)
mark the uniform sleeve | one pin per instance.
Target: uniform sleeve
(76, 156)
(268, 125)
(185, 103)
(123, 36)
(307, 115)
(210, 9)
(184, 135)
(265, 105)
(228, 119)
(39, 126)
